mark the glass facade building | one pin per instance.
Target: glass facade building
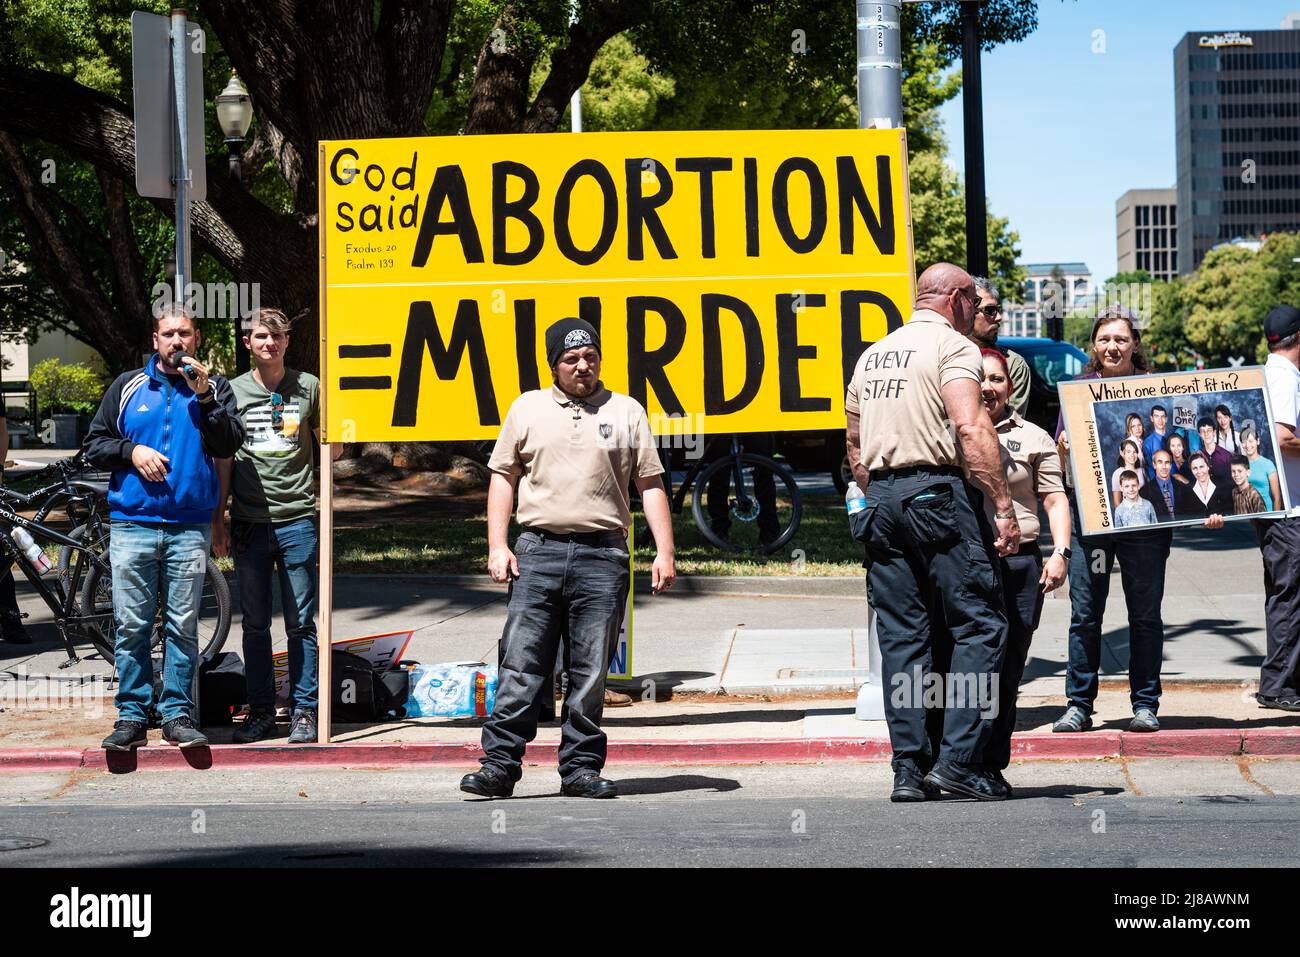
(1237, 126)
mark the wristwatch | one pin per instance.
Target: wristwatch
(1063, 551)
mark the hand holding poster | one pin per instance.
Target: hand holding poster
(1173, 449)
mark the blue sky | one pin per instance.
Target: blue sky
(1067, 131)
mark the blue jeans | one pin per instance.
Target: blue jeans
(1142, 559)
(291, 548)
(153, 563)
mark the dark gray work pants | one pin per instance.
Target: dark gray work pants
(586, 586)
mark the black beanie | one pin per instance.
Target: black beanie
(569, 334)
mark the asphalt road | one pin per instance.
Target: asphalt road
(1157, 813)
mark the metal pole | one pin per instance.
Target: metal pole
(575, 101)
(181, 152)
(972, 103)
(880, 65)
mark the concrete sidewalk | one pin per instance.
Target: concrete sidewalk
(776, 636)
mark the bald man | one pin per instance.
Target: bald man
(916, 429)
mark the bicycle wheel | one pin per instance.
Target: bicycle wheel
(760, 516)
(99, 636)
(214, 610)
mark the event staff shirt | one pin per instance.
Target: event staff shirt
(574, 458)
(895, 391)
(1033, 468)
(1283, 381)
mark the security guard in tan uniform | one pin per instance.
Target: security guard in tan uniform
(572, 450)
(914, 417)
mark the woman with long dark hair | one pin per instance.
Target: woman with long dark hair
(1116, 351)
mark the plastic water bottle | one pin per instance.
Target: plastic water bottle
(855, 500)
(35, 554)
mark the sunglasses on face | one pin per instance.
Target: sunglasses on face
(990, 311)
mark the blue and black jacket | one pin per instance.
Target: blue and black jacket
(148, 407)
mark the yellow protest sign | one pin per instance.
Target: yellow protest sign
(734, 276)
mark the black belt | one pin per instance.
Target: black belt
(917, 470)
(582, 538)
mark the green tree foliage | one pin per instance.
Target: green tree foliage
(66, 387)
(90, 250)
(1217, 312)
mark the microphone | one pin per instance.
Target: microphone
(187, 369)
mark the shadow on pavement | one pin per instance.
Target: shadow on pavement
(675, 784)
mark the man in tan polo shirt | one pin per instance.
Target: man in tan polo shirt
(915, 417)
(571, 450)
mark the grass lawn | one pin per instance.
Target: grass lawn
(458, 545)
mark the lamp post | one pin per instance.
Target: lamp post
(234, 115)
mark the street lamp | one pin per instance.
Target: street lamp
(235, 116)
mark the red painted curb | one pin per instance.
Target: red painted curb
(1065, 747)
(1224, 742)
(1271, 741)
(1216, 743)
(38, 759)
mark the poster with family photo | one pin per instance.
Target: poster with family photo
(1173, 449)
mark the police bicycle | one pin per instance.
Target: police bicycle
(80, 594)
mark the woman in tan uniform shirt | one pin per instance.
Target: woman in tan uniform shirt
(1033, 471)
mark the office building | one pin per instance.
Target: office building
(1237, 126)
(1146, 232)
(1062, 287)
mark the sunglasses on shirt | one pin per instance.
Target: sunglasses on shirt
(277, 410)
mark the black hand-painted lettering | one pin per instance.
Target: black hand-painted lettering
(642, 211)
(520, 210)
(789, 352)
(448, 187)
(715, 402)
(645, 369)
(817, 204)
(851, 192)
(608, 212)
(422, 336)
(706, 166)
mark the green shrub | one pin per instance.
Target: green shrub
(66, 387)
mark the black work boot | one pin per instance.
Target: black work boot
(126, 736)
(488, 781)
(589, 785)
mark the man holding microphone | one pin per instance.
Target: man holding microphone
(158, 430)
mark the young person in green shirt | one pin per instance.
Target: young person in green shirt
(273, 524)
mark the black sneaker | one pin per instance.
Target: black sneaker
(1284, 702)
(910, 785)
(258, 725)
(967, 782)
(12, 630)
(488, 781)
(590, 785)
(181, 732)
(126, 736)
(302, 727)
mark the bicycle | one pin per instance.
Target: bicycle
(762, 516)
(88, 586)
